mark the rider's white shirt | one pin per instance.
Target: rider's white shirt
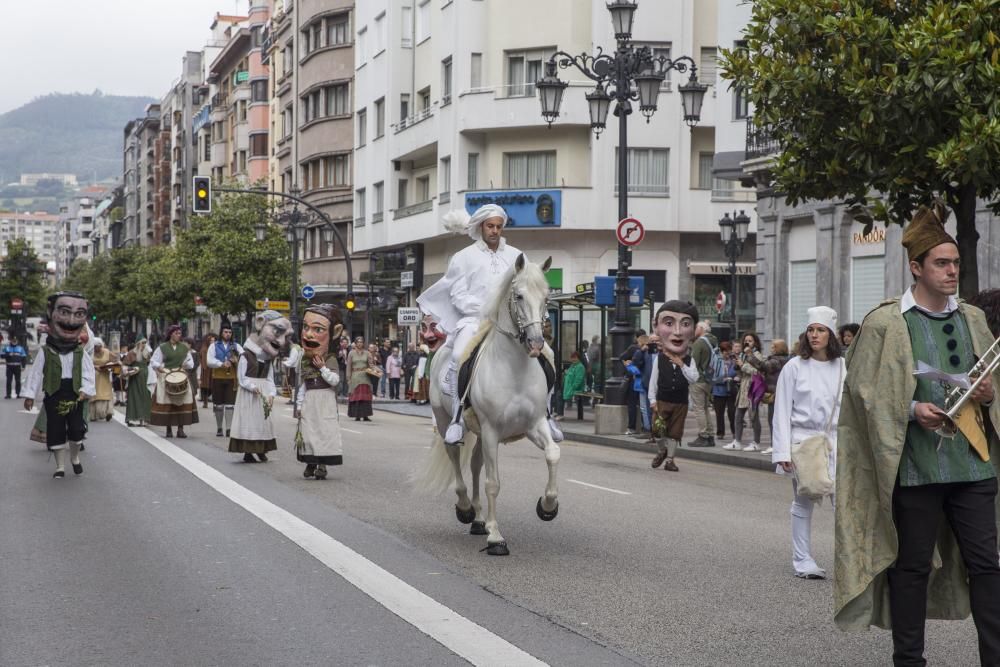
(473, 273)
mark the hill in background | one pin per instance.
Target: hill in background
(72, 134)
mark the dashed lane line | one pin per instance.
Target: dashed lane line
(602, 488)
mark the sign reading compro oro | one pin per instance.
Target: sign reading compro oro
(267, 304)
(407, 316)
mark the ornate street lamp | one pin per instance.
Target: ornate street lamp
(734, 234)
(629, 74)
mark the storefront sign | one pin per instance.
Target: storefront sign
(525, 208)
(407, 316)
(876, 235)
(268, 304)
(721, 268)
(604, 290)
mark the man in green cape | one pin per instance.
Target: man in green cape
(916, 530)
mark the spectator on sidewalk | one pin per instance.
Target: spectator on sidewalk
(345, 349)
(724, 393)
(705, 347)
(642, 361)
(574, 381)
(771, 369)
(751, 349)
(16, 358)
(394, 369)
(631, 395)
(384, 353)
(595, 354)
(847, 333)
(410, 361)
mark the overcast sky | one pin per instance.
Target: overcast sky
(123, 47)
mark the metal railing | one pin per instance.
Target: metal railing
(760, 142)
(414, 119)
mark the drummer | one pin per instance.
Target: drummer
(173, 400)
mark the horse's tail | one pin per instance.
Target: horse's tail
(437, 474)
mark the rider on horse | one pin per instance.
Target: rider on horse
(455, 301)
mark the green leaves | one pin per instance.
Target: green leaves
(30, 288)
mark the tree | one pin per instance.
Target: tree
(234, 270)
(899, 99)
(30, 287)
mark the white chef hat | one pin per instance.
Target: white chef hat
(459, 221)
(823, 315)
(98, 342)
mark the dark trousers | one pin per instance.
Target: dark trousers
(408, 382)
(13, 373)
(632, 403)
(724, 406)
(969, 509)
(394, 388)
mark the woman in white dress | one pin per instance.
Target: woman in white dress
(807, 403)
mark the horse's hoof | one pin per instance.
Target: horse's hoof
(478, 528)
(465, 516)
(497, 549)
(542, 514)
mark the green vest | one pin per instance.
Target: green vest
(52, 378)
(945, 343)
(173, 358)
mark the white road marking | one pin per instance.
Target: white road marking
(602, 488)
(449, 628)
(350, 431)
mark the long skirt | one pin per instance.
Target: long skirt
(171, 411)
(423, 389)
(359, 403)
(138, 402)
(99, 410)
(251, 432)
(319, 428)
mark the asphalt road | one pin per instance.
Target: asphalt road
(139, 562)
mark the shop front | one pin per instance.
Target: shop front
(712, 293)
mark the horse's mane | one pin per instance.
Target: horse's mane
(533, 278)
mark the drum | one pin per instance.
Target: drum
(175, 383)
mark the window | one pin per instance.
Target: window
(241, 111)
(401, 193)
(362, 127)
(476, 70)
(337, 171)
(337, 100)
(404, 106)
(377, 203)
(242, 161)
(379, 33)
(287, 58)
(446, 81)
(379, 117)
(311, 109)
(425, 99)
(258, 145)
(337, 31)
(361, 47)
(741, 103)
(867, 285)
(529, 170)
(473, 171)
(316, 34)
(287, 121)
(705, 170)
(707, 65)
(647, 171)
(424, 188)
(359, 198)
(208, 148)
(423, 20)
(310, 175)
(258, 91)
(444, 176)
(801, 296)
(406, 25)
(524, 68)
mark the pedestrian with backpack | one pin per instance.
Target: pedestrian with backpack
(708, 360)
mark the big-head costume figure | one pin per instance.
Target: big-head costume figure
(65, 376)
(317, 441)
(673, 369)
(252, 430)
(455, 301)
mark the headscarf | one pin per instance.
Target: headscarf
(170, 331)
(459, 221)
(926, 230)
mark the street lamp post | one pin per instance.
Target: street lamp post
(734, 235)
(630, 74)
(295, 224)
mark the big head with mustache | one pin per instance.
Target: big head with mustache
(67, 313)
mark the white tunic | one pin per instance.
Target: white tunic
(36, 375)
(249, 422)
(473, 274)
(807, 392)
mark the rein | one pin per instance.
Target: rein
(515, 317)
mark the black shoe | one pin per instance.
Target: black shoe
(262, 457)
(227, 432)
(367, 419)
(77, 469)
(107, 418)
(218, 434)
(310, 471)
(58, 474)
(702, 442)
(181, 433)
(170, 433)
(83, 447)
(248, 458)
(357, 419)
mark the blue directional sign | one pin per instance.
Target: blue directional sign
(604, 290)
(308, 292)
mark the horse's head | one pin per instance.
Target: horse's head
(527, 303)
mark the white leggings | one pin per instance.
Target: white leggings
(802, 511)
(463, 337)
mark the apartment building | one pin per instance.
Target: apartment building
(178, 108)
(139, 162)
(208, 122)
(447, 116)
(240, 105)
(310, 49)
(40, 230)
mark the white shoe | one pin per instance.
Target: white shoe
(815, 572)
(752, 447)
(733, 446)
(767, 451)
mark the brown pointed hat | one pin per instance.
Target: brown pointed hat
(926, 230)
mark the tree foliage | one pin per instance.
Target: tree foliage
(895, 97)
(30, 288)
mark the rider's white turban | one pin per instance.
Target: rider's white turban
(459, 221)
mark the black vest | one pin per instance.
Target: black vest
(671, 385)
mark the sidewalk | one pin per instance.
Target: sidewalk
(583, 431)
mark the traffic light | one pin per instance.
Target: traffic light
(202, 194)
(349, 302)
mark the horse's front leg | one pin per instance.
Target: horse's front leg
(548, 505)
(464, 510)
(476, 464)
(495, 544)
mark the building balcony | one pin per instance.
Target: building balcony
(413, 209)
(760, 142)
(487, 108)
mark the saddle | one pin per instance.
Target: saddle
(465, 374)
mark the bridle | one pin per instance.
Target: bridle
(520, 323)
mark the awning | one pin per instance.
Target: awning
(721, 268)
(726, 165)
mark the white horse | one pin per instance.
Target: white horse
(508, 394)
